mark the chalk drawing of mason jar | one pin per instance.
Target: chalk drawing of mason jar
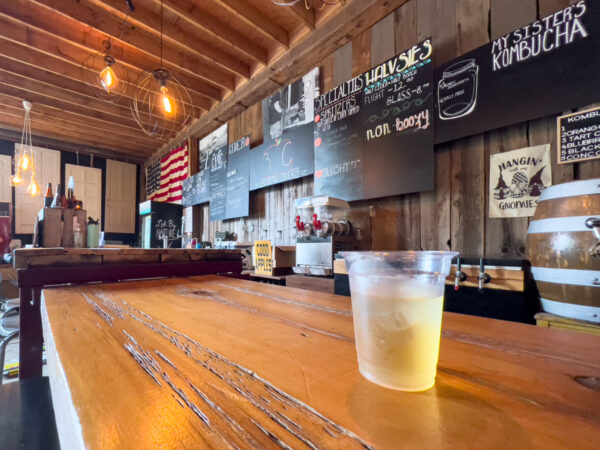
(457, 90)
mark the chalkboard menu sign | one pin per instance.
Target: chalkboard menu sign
(374, 133)
(213, 153)
(196, 189)
(339, 141)
(548, 66)
(237, 201)
(282, 159)
(579, 136)
(4, 209)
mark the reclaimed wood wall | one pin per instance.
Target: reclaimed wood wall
(455, 214)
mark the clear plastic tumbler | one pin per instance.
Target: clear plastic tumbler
(397, 302)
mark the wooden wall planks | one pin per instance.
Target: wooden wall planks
(455, 214)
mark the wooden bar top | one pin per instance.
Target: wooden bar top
(218, 362)
(26, 258)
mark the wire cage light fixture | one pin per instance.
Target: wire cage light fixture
(161, 104)
(105, 71)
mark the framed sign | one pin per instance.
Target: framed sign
(578, 136)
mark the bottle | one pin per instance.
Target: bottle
(57, 202)
(48, 197)
(70, 194)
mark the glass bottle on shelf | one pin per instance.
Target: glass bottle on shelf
(48, 197)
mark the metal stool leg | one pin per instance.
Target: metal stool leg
(3, 343)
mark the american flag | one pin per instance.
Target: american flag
(173, 170)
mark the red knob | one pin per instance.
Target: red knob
(299, 225)
(316, 223)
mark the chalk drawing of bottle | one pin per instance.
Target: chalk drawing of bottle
(457, 90)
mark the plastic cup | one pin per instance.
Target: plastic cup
(397, 303)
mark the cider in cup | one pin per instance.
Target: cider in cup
(397, 303)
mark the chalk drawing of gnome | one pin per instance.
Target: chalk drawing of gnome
(536, 185)
(518, 185)
(501, 190)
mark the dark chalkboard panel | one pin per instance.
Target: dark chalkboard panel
(579, 136)
(283, 159)
(339, 141)
(549, 66)
(196, 189)
(217, 169)
(237, 203)
(397, 124)
(374, 133)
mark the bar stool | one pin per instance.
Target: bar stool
(9, 329)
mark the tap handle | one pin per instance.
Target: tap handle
(483, 277)
(459, 275)
(316, 223)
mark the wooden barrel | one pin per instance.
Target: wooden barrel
(560, 247)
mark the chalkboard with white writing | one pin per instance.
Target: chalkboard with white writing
(543, 68)
(374, 133)
(237, 202)
(579, 136)
(339, 141)
(217, 168)
(397, 124)
(283, 159)
(196, 189)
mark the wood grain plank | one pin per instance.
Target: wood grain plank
(405, 26)
(342, 64)
(505, 237)
(361, 53)
(382, 40)
(508, 15)
(467, 211)
(197, 369)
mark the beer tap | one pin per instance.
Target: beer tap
(459, 276)
(483, 277)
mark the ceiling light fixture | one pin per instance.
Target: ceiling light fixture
(103, 70)
(161, 106)
(24, 159)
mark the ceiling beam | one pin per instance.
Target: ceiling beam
(132, 142)
(83, 121)
(83, 17)
(46, 142)
(306, 16)
(349, 22)
(258, 20)
(224, 33)
(58, 47)
(48, 129)
(36, 92)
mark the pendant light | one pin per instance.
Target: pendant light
(103, 70)
(162, 105)
(24, 159)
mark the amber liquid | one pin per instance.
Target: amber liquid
(397, 338)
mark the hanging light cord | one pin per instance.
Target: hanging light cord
(161, 33)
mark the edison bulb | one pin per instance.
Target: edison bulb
(108, 79)
(166, 101)
(16, 179)
(25, 162)
(33, 188)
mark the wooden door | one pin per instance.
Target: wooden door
(5, 172)
(88, 187)
(47, 170)
(120, 197)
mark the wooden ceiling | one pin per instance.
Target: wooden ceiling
(213, 46)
